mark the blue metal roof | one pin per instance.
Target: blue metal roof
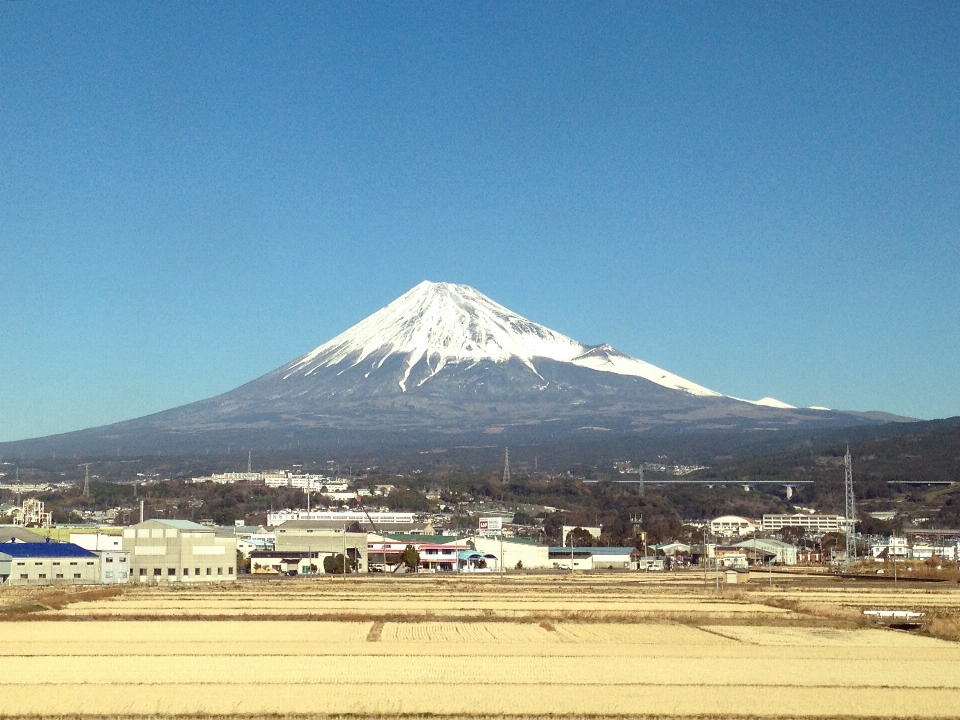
(44, 550)
(593, 550)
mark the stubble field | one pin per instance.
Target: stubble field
(536, 646)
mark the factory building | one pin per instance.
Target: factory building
(47, 563)
(164, 551)
(313, 536)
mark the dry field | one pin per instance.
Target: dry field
(534, 646)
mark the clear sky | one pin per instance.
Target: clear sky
(761, 197)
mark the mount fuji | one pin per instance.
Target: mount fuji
(444, 363)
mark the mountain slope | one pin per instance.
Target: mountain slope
(443, 361)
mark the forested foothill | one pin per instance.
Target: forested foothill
(573, 484)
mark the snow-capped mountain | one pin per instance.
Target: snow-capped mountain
(444, 363)
(440, 324)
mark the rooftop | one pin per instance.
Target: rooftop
(44, 549)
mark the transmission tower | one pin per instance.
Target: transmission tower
(850, 509)
(506, 465)
(86, 480)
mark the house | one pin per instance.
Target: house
(179, 551)
(47, 563)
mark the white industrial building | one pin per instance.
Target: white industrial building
(165, 551)
(814, 524)
(47, 563)
(114, 560)
(732, 526)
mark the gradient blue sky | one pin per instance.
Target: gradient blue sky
(761, 197)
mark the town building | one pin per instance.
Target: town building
(813, 524)
(339, 520)
(114, 560)
(312, 536)
(602, 558)
(732, 526)
(164, 551)
(769, 550)
(384, 552)
(47, 563)
(290, 562)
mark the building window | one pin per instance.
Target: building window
(229, 571)
(23, 576)
(196, 571)
(19, 563)
(38, 563)
(123, 559)
(73, 563)
(209, 571)
(121, 575)
(171, 571)
(59, 576)
(219, 571)
(186, 571)
(89, 562)
(56, 562)
(42, 576)
(108, 574)
(109, 559)
(156, 571)
(143, 571)
(76, 576)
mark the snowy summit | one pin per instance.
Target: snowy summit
(442, 324)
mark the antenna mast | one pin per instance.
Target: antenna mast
(850, 509)
(506, 465)
(249, 461)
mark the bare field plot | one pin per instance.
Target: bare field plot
(560, 647)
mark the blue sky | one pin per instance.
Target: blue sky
(761, 197)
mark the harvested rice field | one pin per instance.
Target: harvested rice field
(532, 646)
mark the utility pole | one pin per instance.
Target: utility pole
(850, 510)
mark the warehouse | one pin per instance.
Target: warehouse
(311, 536)
(47, 563)
(179, 551)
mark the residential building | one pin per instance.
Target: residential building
(893, 548)
(47, 563)
(163, 551)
